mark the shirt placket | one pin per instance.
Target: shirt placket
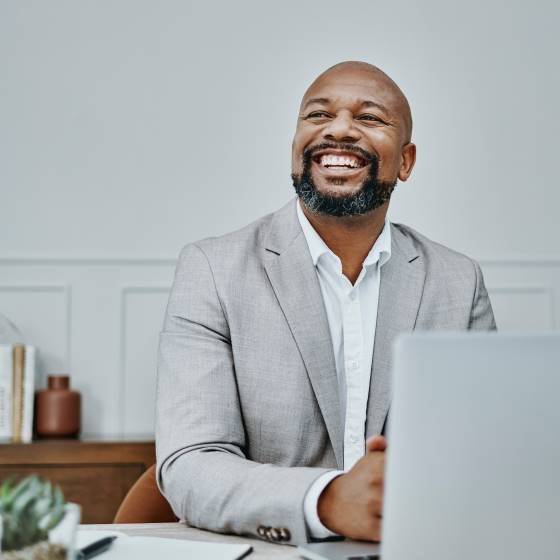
(353, 347)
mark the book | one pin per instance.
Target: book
(6, 374)
(28, 394)
(17, 391)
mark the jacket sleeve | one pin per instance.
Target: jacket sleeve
(482, 316)
(202, 464)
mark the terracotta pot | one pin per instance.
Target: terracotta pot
(58, 409)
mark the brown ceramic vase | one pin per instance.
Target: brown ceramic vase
(58, 409)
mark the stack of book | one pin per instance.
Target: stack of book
(17, 388)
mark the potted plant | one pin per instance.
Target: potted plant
(36, 523)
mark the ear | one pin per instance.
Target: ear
(408, 159)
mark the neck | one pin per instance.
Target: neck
(351, 237)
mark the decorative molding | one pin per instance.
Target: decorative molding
(124, 292)
(70, 260)
(545, 289)
(521, 288)
(63, 288)
(24, 287)
(116, 260)
(156, 287)
(520, 261)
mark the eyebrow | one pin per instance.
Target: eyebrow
(326, 101)
(374, 104)
(320, 100)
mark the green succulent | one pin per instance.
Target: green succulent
(29, 509)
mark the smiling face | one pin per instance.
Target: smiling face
(352, 141)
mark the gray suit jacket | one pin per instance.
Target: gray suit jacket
(248, 414)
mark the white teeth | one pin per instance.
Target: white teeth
(330, 160)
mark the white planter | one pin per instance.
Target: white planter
(60, 544)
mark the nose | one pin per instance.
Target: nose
(341, 129)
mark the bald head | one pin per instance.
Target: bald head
(381, 85)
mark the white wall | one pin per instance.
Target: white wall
(129, 128)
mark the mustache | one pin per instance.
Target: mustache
(365, 155)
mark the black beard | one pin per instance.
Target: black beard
(372, 194)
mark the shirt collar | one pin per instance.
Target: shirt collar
(381, 250)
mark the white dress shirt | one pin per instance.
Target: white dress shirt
(352, 316)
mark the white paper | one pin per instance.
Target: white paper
(148, 548)
(28, 394)
(5, 392)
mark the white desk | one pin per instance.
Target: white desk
(261, 549)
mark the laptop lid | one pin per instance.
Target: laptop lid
(473, 465)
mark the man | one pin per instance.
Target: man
(274, 366)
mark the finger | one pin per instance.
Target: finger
(376, 533)
(376, 443)
(377, 466)
(377, 504)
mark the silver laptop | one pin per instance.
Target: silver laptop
(473, 466)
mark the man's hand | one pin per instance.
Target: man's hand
(352, 503)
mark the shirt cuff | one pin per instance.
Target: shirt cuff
(316, 529)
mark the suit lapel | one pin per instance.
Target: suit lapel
(400, 292)
(290, 269)
(293, 277)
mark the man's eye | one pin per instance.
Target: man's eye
(369, 117)
(317, 115)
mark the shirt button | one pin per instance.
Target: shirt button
(353, 438)
(352, 296)
(353, 365)
(285, 534)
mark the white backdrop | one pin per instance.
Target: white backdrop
(129, 128)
